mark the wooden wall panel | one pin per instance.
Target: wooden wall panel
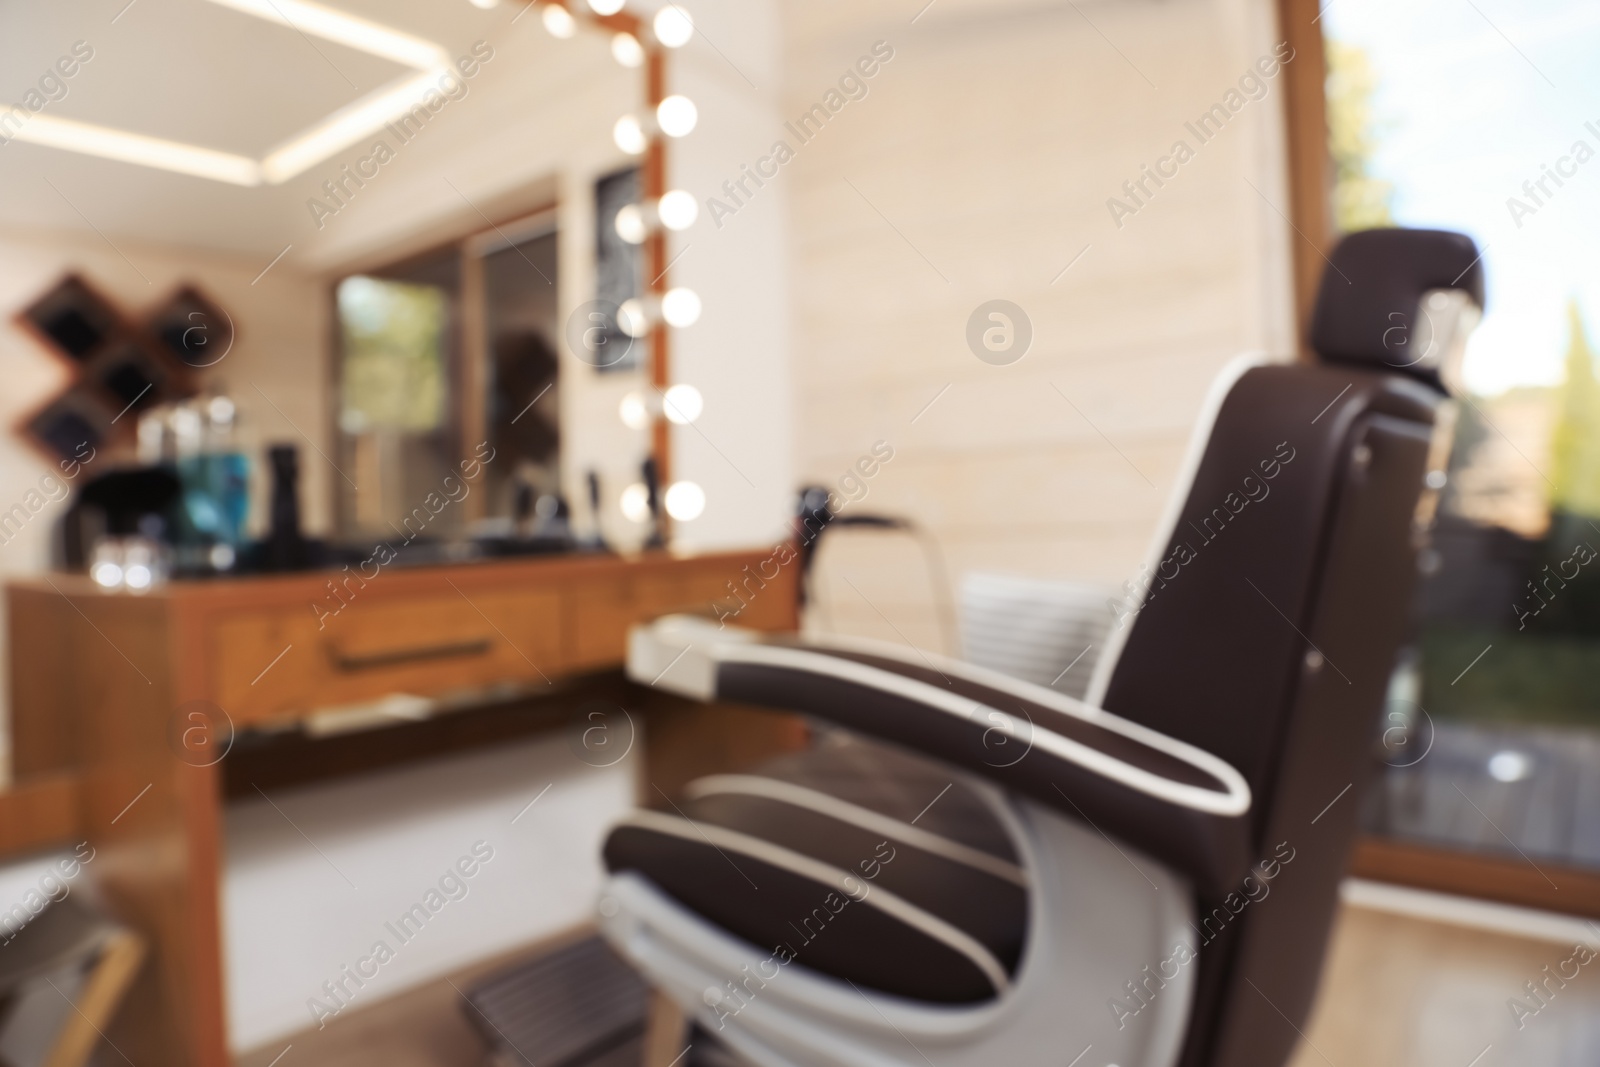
(980, 167)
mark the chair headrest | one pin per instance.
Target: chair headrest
(1371, 307)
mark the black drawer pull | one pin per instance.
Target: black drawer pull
(368, 660)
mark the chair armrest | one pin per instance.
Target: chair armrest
(1171, 801)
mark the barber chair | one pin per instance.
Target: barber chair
(966, 869)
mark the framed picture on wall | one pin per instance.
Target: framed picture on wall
(617, 263)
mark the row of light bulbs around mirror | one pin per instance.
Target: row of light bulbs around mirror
(671, 27)
(675, 116)
(681, 404)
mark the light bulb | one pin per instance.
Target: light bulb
(186, 424)
(106, 574)
(635, 502)
(626, 49)
(137, 576)
(559, 21)
(629, 135)
(678, 210)
(635, 413)
(630, 225)
(685, 501)
(676, 115)
(605, 7)
(680, 307)
(486, 4)
(683, 404)
(633, 318)
(673, 26)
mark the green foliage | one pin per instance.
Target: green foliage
(394, 353)
(1575, 472)
(1360, 201)
(1572, 595)
(1525, 678)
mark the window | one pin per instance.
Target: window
(1444, 116)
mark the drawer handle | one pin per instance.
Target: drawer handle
(368, 660)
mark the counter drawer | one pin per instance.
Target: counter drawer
(275, 663)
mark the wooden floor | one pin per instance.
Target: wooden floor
(1397, 992)
(423, 1027)
(1400, 992)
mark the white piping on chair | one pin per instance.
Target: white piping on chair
(1210, 408)
(922, 921)
(1199, 758)
(801, 797)
(1235, 801)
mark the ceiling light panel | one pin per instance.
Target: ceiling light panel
(348, 30)
(107, 143)
(345, 127)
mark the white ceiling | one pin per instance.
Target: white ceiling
(201, 74)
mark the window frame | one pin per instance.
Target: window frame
(1569, 890)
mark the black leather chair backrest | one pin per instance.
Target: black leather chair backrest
(1273, 620)
(1370, 307)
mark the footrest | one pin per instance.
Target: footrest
(572, 1007)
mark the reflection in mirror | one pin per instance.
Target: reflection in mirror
(520, 317)
(394, 355)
